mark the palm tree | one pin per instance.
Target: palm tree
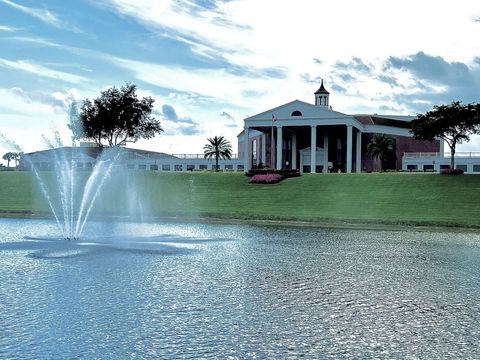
(9, 156)
(382, 147)
(218, 148)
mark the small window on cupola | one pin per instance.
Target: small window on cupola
(296, 113)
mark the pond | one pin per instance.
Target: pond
(187, 290)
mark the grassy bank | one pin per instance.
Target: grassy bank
(417, 199)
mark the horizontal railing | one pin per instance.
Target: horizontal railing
(197, 156)
(135, 156)
(461, 154)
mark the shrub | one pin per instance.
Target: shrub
(265, 171)
(451, 171)
(266, 179)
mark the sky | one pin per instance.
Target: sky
(209, 64)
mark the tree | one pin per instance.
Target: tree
(9, 156)
(17, 157)
(218, 148)
(452, 123)
(382, 147)
(117, 117)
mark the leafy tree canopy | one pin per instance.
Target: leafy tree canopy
(9, 156)
(453, 123)
(116, 117)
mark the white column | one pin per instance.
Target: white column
(313, 150)
(264, 149)
(442, 148)
(246, 147)
(349, 149)
(358, 155)
(279, 147)
(325, 152)
(294, 151)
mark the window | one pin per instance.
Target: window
(462, 167)
(476, 168)
(154, 167)
(443, 167)
(190, 167)
(142, 167)
(203, 167)
(79, 165)
(228, 167)
(296, 113)
(240, 167)
(427, 167)
(88, 165)
(412, 167)
(306, 168)
(215, 167)
(178, 168)
(130, 166)
(165, 167)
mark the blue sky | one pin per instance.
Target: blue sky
(209, 64)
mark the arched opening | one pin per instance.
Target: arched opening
(296, 113)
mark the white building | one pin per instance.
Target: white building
(315, 138)
(84, 157)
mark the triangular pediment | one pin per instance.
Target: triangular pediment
(297, 107)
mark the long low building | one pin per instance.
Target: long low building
(315, 138)
(469, 162)
(85, 156)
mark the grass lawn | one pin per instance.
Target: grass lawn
(390, 198)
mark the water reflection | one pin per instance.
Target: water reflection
(197, 290)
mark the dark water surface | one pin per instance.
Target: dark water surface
(205, 291)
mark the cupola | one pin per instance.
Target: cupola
(321, 97)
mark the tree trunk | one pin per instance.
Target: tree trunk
(216, 163)
(8, 162)
(452, 158)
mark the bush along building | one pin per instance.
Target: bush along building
(315, 138)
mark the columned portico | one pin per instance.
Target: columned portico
(294, 151)
(325, 154)
(246, 150)
(313, 149)
(264, 148)
(349, 149)
(358, 153)
(279, 147)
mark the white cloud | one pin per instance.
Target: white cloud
(305, 38)
(43, 71)
(269, 32)
(7, 28)
(43, 15)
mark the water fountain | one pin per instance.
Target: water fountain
(69, 192)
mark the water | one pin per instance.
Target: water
(199, 290)
(70, 197)
(71, 193)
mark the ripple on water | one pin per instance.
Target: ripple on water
(194, 291)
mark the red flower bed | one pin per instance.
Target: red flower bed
(266, 179)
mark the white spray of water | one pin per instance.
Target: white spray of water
(102, 170)
(65, 177)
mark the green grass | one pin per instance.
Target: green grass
(389, 198)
